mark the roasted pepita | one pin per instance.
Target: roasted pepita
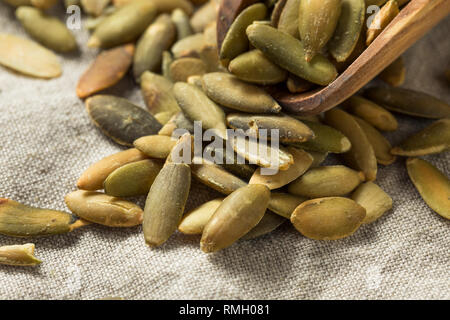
(373, 199)
(381, 20)
(284, 204)
(395, 73)
(195, 220)
(181, 69)
(268, 223)
(19, 255)
(155, 146)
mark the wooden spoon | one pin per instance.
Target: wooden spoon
(418, 17)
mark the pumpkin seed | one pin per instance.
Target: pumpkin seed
(395, 73)
(19, 255)
(240, 212)
(158, 37)
(288, 53)
(361, 156)
(348, 30)
(381, 20)
(196, 81)
(43, 4)
(317, 23)
(229, 91)
(276, 12)
(191, 46)
(166, 61)
(288, 21)
(302, 162)
(204, 15)
(108, 68)
(195, 220)
(330, 218)
(18, 3)
(156, 146)
(298, 85)
(94, 7)
(433, 185)
(28, 57)
(104, 209)
(133, 179)
(269, 222)
(381, 146)
(409, 102)
(318, 158)
(93, 178)
(68, 3)
(210, 57)
(373, 199)
(163, 5)
(124, 25)
(181, 69)
(328, 181)
(235, 41)
(182, 23)
(178, 121)
(377, 3)
(284, 204)
(121, 120)
(433, 139)
(377, 116)
(19, 220)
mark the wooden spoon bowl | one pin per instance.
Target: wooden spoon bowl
(414, 20)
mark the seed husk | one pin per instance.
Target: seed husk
(19, 255)
(158, 38)
(288, 21)
(361, 156)
(288, 53)
(317, 22)
(182, 23)
(395, 73)
(229, 91)
(381, 20)
(19, 220)
(409, 102)
(191, 46)
(254, 67)
(374, 114)
(155, 146)
(381, 146)
(348, 30)
(158, 96)
(290, 130)
(124, 25)
(236, 41)
(204, 15)
(198, 107)
(298, 85)
(327, 181)
(240, 212)
(121, 120)
(92, 179)
(181, 69)
(373, 199)
(43, 4)
(195, 220)
(133, 179)
(326, 139)
(433, 185)
(284, 204)
(28, 57)
(94, 7)
(104, 209)
(330, 218)
(268, 223)
(433, 139)
(302, 162)
(108, 68)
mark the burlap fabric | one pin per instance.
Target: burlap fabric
(47, 140)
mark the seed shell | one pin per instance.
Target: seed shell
(195, 220)
(373, 199)
(268, 223)
(381, 20)
(19, 255)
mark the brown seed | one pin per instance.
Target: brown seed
(181, 69)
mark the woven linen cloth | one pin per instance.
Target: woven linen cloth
(47, 141)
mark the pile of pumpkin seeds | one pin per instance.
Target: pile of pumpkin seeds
(173, 51)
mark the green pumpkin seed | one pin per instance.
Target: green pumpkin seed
(409, 102)
(156, 146)
(276, 12)
(108, 68)
(254, 67)
(204, 15)
(268, 223)
(43, 4)
(377, 116)
(284, 204)
(19, 220)
(181, 69)
(18, 3)
(121, 120)
(361, 156)
(330, 218)
(381, 146)
(133, 179)
(19, 255)
(302, 162)
(289, 53)
(328, 181)
(94, 7)
(229, 91)
(236, 41)
(433, 185)
(195, 220)
(288, 21)
(93, 178)
(166, 61)
(373, 199)
(381, 20)
(239, 213)
(433, 139)
(395, 73)
(348, 30)
(191, 46)
(124, 25)
(163, 5)
(318, 158)
(317, 23)
(158, 96)
(182, 23)
(178, 121)
(103, 209)
(298, 85)
(158, 37)
(28, 57)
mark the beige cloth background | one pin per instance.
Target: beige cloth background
(47, 141)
